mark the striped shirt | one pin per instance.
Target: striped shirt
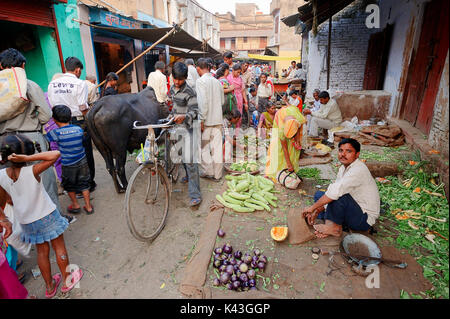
(70, 143)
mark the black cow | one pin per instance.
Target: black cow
(110, 124)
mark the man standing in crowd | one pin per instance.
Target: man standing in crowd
(291, 69)
(92, 89)
(328, 116)
(69, 90)
(185, 111)
(246, 75)
(228, 58)
(158, 82)
(210, 98)
(30, 122)
(192, 73)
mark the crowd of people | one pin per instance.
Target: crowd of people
(223, 97)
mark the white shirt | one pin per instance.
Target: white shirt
(210, 98)
(158, 82)
(264, 90)
(70, 91)
(92, 92)
(31, 201)
(329, 111)
(357, 181)
(192, 76)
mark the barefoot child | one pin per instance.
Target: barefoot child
(75, 170)
(40, 219)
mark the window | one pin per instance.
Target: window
(245, 39)
(262, 42)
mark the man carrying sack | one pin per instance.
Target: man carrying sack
(30, 121)
(352, 201)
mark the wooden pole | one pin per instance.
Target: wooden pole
(329, 53)
(140, 55)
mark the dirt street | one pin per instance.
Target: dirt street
(115, 264)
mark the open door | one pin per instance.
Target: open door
(377, 58)
(426, 66)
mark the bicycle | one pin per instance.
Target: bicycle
(147, 207)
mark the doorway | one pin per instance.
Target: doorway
(426, 66)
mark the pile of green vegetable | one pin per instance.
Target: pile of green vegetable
(418, 208)
(247, 193)
(308, 172)
(245, 166)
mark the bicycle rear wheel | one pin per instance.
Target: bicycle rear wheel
(147, 201)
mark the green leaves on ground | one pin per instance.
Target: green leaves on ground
(418, 208)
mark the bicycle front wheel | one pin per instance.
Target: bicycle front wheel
(147, 202)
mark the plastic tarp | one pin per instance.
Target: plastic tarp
(179, 39)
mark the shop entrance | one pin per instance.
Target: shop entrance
(110, 57)
(38, 45)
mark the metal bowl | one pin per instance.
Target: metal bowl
(374, 250)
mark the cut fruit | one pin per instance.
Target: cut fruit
(279, 233)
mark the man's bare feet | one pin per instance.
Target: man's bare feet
(328, 229)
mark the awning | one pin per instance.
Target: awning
(273, 58)
(193, 54)
(180, 38)
(325, 10)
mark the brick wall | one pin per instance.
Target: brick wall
(438, 137)
(349, 43)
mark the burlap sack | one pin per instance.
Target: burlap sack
(13, 93)
(299, 231)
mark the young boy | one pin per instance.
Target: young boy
(75, 170)
(230, 118)
(185, 110)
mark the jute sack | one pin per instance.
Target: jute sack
(13, 93)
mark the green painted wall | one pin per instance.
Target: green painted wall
(69, 31)
(50, 52)
(35, 66)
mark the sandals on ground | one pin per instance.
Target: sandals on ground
(89, 212)
(195, 202)
(73, 210)
(57, 279)
(76, 277)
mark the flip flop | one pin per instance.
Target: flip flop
(195, 202)
(73, 210)
(76, 277)
(89, 212)
(57, 278)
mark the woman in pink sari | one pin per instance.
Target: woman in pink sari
(234, 78)
(10, 286)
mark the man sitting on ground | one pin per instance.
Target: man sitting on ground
(328, 116)
(351, 201)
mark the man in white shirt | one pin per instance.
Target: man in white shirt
(328, 116)
(192, 73)
(92, 89)
(352, 201)
(210, 98)
(73, 92)
(158, 82)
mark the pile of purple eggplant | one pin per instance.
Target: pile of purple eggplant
(237, 271)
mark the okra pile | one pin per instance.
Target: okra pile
(247, 193)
